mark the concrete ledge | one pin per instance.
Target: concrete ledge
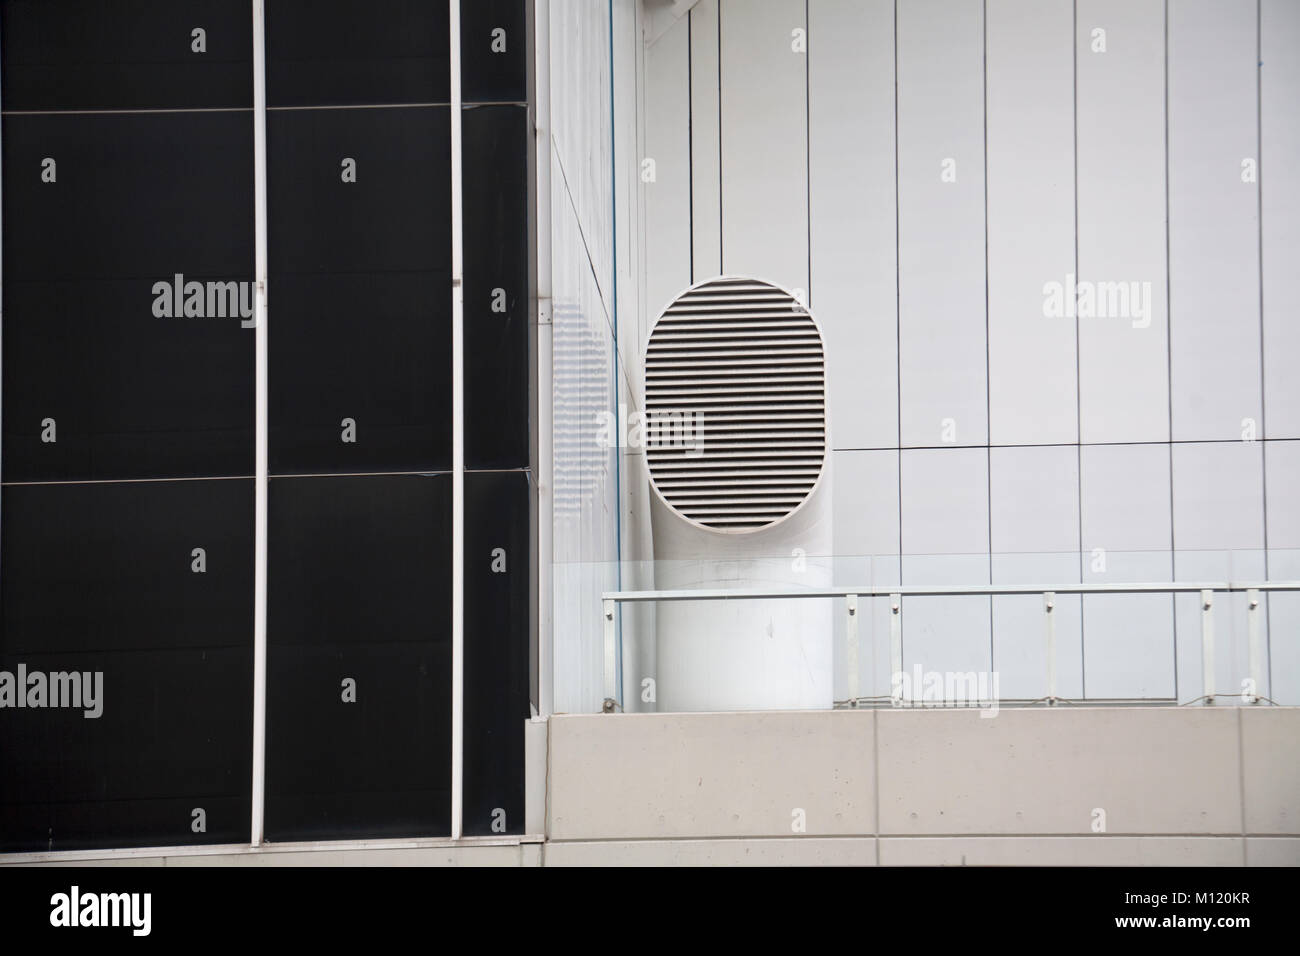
(781, 851)
(674, 776)
(1062, 851)
(1270, 763)
(1206, 778)
(1273, 851)
(1060, 771)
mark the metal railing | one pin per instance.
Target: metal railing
(1206, 589)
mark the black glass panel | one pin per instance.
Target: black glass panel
(346, 52)
(359, 657)
(377, 765)
(496, 649)
(395, 216)
(372, 348)
(493, 51)
(134, 195)
(125, 566)
(173, 737)
(126, 54)
(496, 287)
(128, 267)
(143, 591)
(360, 273)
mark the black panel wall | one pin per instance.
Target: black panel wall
(497, 302)
(496, 649)
(496, 138)
(99, 578)
(127, 508)
(359, 657)
(346, 53)
(493, 51)
(127, 54)
(126, 606)
(359, 207)
(95, 246)
(359, 204)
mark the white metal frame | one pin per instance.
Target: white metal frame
(457, 442)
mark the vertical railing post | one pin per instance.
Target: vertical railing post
(611, 669)
(1049, 608)
(895, 647)
(1256, 651)
(851, 605)
(1207, 646)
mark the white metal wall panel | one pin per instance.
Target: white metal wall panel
(1214, 321)
(579, 121)
(1034, 532)
(764, 142)
(1032, 356)
(627, 200)
(706, 144)
(941, 222)
(1282, 462)
(667, 196)
(1087, 151)
(945, 540)
(1123, 361)
(1218, 490)
(1280, 214)
(852, 209)
(865, 528)
(1128, 643)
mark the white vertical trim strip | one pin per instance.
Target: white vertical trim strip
(457, 443)
(545, 384)
(260, 482)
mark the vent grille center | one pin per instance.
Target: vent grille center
(735, 404)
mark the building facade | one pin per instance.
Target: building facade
(1048, 247)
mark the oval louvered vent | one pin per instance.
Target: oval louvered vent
(735, 404)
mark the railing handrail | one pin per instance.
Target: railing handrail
(923, 590)
(896, 592)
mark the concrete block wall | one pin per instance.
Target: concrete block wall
(1217, 786)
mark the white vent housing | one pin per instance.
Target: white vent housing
(740, 364)
(736, 449)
